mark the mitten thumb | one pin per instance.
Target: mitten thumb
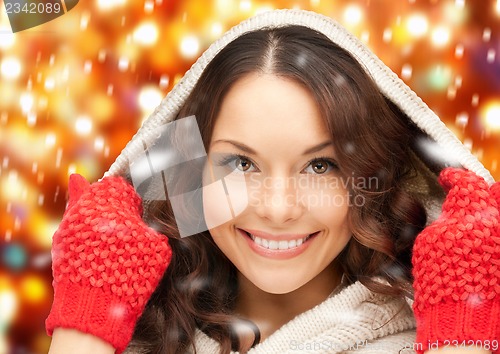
(77, 186)
(466, 191)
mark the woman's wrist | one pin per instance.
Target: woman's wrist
(66, 340)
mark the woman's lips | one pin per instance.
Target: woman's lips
(277, 246)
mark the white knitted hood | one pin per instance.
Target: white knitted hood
(388, 82)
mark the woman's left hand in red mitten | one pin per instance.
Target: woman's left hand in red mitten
(456, 268)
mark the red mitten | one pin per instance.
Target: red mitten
(456, 267)
(106, 261)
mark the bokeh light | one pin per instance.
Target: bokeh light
(491, 115)
(74, 91)
(417, 25)
(440, 36)
(10, 68)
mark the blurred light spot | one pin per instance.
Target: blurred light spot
(455, 15)
(50, 83)
(490, 57)
(59, 157)
(8, 233)
(34, 289)
(387, 36)
(452, 93)
(217, 29)
(12, 187)
(26, 101)
(8, 304)
(123, 64)
(491, 115)
(109, 4)
(263, 8)
(7, 38)
(149, 6)
(4, 345)
(440, 36)
(439, 77)
(190, 47)
(487, 34)
(365, 36)
(146, 34)
(31, 119)
(83, 125)
(87, 67)
(71, 168)
(462, 119)
(475, 100)
(42, 260)
(10, 68)
(164, 81)
(84, 20)
(50, 140)
(406, 71)
(245, 5)
(459, 51)
(149, 99)
(497, 7)
(101, 56)
(417, 25)
(99, 143)
(315, 2)
(353, 15)
(14, 256)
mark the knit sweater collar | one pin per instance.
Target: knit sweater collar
(348, 319)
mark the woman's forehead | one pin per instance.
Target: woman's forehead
(265, 106)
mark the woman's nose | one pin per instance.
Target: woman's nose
(277, 200)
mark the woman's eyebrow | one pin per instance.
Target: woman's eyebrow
(249, 150)
(318, 147)
(237, 144)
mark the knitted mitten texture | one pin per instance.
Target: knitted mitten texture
(106, 261)
(456, 267)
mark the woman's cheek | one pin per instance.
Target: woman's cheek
(224, 199)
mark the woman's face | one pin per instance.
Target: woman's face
(273, 197)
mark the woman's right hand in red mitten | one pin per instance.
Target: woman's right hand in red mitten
(106, 261)
(456, 268)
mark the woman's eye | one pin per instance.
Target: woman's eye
(243, 164)
(320, 166)
(234, 163)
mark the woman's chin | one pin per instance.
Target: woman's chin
(275, 285)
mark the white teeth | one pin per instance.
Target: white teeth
(283, 245)
(274, 245)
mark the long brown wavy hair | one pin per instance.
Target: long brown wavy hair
(371, 138)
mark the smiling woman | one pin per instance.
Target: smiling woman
(294, 253)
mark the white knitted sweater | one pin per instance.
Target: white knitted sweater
(352, 320)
